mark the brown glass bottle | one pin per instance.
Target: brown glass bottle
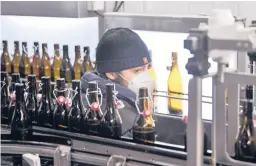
(5, 100)
(45, 62)
(94, 114)
(36, 60)
(60, 114)
(56, 63)
(87, 64)
(112, 122)
(25, 68)
(77, 111)
(66, 70)
(31, 99)
(5, 59)
(78, 64)
(21, 128)
(16, 58)
(45, 106)
(144, 128)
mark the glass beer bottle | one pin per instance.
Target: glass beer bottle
(45, 106)
(77, 111)
(66, 70)
(5, 59)
(15, 79)
(78, 63)
(60, 113)
(56, 62)
(31, 99)
(5, 100)
(16, 58)
(175, 87)
(25, 68)
(94, 113)
(21, 128)
(36, 60)
(112, 122)
(144, 128)
(46, 65)
(87, 64)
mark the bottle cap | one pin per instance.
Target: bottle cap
(46, 80)
(60, 83)
(143, 92)
(65, 47)
(16, 77)
(4, 75)
(36, 43)
(76, 84)
(16, 42)
(87, 50)
(93, 86)
(44, 45)
(110, 87)
(77, 48)
(19, 88)
(56, 46)
(24, 44)
(4, 42)
(32, 78)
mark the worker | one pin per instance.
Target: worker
(123, 58)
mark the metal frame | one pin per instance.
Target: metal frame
(200, 45)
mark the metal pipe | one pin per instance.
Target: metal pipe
(185, 94)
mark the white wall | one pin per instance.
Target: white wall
(239, 8)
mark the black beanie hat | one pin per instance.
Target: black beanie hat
(120, 49)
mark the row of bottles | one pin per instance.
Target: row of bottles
(60, 68)
(23, 106)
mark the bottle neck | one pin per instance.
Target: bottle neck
(57, 53)
(46, 92)
(65, 55)
(32, 88)
(20, 97)
(77, 56)
(77, 99)
(17, 51)
(110, 100)
(93, 97)
(5, 48)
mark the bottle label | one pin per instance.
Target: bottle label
(39, 97)
(61, 99)
(146, 113)
(68, 102)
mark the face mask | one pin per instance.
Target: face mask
(144, 79)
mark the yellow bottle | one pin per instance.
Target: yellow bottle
(16, 58)
(87, 64)
(36, 60)
(144, 126)
(25, 67)
(46, 61)
(6, 64)
(77, 63)
(175, 87)
(56, 62)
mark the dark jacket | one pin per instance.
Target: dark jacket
(168, 129)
